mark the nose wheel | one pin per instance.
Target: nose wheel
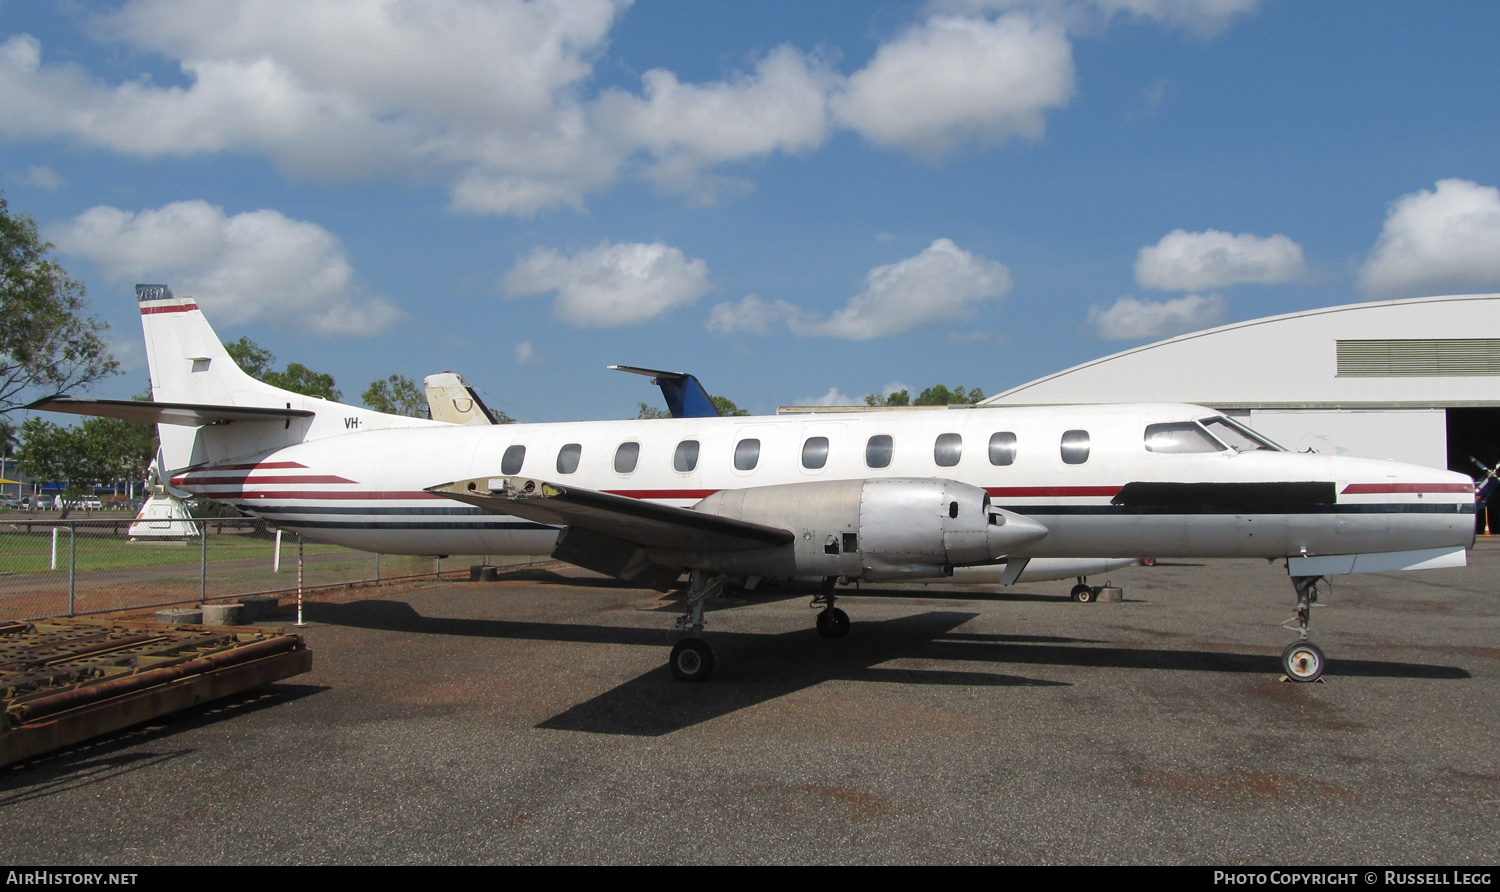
(1302, 661)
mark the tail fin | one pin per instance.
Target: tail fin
(451, 400)
(189, 365)
(188, 361)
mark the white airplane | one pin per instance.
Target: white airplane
(982, 492)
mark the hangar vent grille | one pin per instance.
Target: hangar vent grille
(1418, 357)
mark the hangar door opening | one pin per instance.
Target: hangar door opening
(1475, 432)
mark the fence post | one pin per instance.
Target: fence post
(299, 580)
(276, 559)
(54, 548)
(203, 561)
(72, 563)
(377, 566)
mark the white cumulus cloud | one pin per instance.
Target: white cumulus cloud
(1442, 241)
(613, 284)
(526, 354)
(259, 264)
(1131, 319)
(943, 282)
(834, 397)
(687, 128)
(498, 99)
(44, 177)
(1191, 261)
(952, 81)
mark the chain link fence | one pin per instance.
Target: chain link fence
(73, 567)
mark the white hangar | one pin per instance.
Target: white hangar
(1416, 380)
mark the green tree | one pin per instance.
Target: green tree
(648, 411)
(100, 451)
(397, 395)
(899, 398)
(726, 407)
(47, 343)
(257, 362)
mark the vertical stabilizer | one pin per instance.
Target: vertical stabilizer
(188, 361)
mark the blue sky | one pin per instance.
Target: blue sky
(795, 201)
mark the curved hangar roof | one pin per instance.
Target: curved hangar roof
(1426, 351)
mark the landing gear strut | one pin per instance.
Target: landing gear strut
(692, 659)
(1303, 661)
(832, 622)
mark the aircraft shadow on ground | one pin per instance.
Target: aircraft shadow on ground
(755, 668)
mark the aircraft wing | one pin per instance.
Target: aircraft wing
(641, 523)
(188, 414)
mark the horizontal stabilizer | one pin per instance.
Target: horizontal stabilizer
(187, 414)
(647, 524)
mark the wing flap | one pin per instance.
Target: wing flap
(187, 414)
(647, 524)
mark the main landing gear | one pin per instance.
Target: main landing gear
(1303, 661)
(1084, 593)
(692, 659)
(832, 622)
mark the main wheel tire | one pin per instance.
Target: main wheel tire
(833, 623)
(1303, 661)
(1083, 594)
(692, 660)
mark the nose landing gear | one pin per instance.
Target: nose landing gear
(1303, 661)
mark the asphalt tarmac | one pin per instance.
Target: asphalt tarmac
(533, 720)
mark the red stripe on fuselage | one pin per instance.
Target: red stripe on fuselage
(1362, 488)
(181, 308)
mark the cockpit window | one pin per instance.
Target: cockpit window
(1237, 436)
(1180, 436)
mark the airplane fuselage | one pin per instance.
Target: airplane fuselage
(1086, 473)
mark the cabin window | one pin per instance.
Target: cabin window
(948, 449)
(1002, 448)
(1075, 447)
(511, 462)
(686, 457)
(746, 454)
(815, 453)
(1183, 436)
(567, 458)
(878, 451)
(626, 457)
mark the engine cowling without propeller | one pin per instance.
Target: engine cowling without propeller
(881, 528)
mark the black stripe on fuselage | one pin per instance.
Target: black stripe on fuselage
(1225, 495)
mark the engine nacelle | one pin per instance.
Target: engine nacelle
(882, 528)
